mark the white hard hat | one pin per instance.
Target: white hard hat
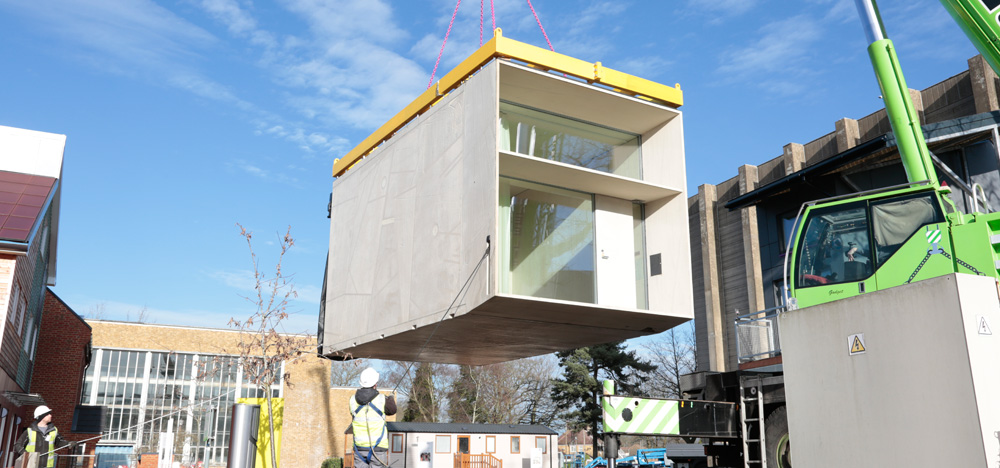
(41, 411)
(369, 377)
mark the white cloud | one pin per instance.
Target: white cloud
(230, 13)
(782, 47)
(721, 10)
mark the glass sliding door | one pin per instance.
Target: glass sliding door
(547, 241)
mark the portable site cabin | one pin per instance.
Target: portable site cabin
(436, 445)
(535, 200)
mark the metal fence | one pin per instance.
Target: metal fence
(757, 335)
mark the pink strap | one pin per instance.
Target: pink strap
(540, 26)
(446, 34)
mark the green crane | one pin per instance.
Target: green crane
(869, 241)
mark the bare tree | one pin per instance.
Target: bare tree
(515, 392)
(262, 349)
(97, 311)
(673, 354)
(346, 373)
(141, 316)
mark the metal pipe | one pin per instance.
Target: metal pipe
(870, 20)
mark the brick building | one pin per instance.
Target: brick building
(30, 184)
(148, 374)
(63, 355)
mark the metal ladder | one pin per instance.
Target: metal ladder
(752, 447)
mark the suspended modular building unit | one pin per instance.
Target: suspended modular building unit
(535, 201)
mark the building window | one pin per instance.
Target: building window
(547, 241)
(463, 445)
(835, 247)
(515, 444)
(397, 443)
(491, 444)
(194, 390)
(540, 443)
(442, 444)
(561, 139)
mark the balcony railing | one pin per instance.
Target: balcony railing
(757, 335)
(485, 460)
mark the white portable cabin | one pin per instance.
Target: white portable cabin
(435, 445)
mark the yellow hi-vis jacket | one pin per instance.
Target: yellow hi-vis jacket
(31, 446)
(369, 423)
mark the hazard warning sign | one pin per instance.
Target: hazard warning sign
(856, 344)
(983, 325)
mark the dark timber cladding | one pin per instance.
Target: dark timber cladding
(741, 224)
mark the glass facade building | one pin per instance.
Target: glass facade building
(148, 393)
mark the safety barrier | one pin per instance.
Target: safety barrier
(757, 335)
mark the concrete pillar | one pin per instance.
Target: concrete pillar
(918, 104)
(751, 241)
(714, 315)
(848, 135)
(984, 89)
(794, 158)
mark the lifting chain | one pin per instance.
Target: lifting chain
(946, 255)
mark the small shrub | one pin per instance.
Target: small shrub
(333, 463)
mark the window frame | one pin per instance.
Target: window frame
(939, 218)
(437, 445)
(515, 439)
(491, 440)
(545, 443)
(392, 445)
(458, 443)
(814, 215)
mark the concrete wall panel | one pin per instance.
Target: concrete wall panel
(911, 398)
(480, 186)
(401, 219)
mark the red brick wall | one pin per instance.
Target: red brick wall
(59, 364)
(148, 460)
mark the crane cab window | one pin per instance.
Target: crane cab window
(835, 247)
(897, 219)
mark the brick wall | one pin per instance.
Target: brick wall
(149, 460)
(59, 364)
(315, 417)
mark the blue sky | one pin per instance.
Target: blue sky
(185, 117)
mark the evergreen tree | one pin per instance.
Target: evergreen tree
(576, 392)
(463, 399)
(422, 406)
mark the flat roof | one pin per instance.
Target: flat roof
(502, 47)
(469, 428)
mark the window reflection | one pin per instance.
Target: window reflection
(556, 138)
(548, 241)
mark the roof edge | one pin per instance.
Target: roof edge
(502, 47)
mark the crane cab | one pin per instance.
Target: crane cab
(844, 248)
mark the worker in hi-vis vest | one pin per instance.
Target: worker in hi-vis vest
(369, 409)
(43, 438)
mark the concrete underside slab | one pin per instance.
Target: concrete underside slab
(505, 328)
(925, 392)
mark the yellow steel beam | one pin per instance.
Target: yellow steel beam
(503, 47)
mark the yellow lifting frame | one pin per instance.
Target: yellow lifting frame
(503, 47)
